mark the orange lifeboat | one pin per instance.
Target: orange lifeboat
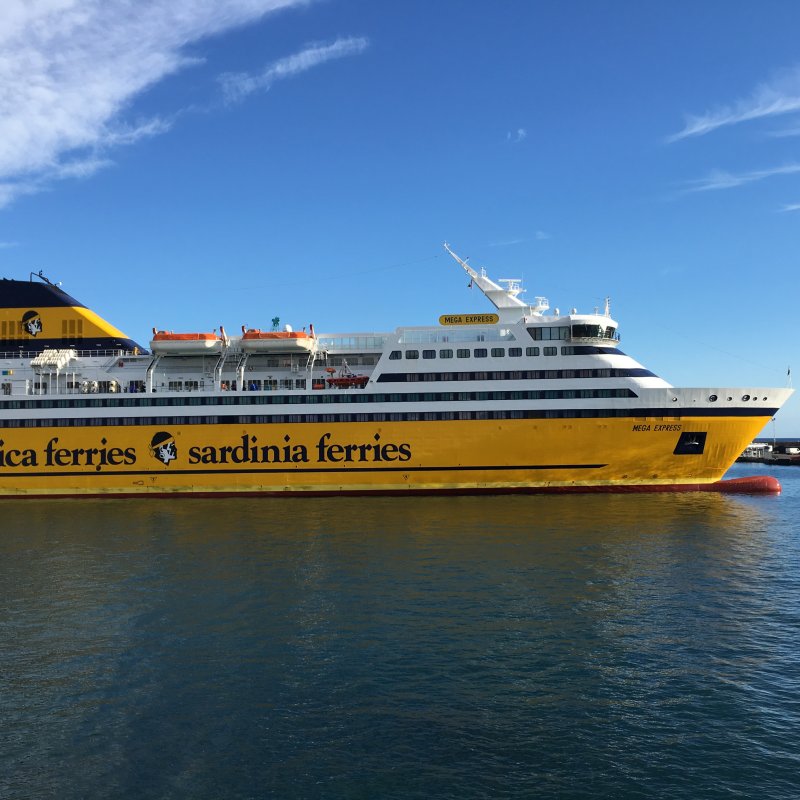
(169, 343)
(346, 379)
(349, 382)
(258, 341)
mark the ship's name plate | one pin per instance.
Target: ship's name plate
(469, 319)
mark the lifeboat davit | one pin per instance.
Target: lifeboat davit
(167, 342)
(257, 341)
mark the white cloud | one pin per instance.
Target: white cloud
(784, 133)
(516, 136)
(720, 179)
(506, 242)
(779, 96)
(69, 69)
(237, 86)
(539, 236)
(791, 207)
(10, 191)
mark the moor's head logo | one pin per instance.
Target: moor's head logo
(162, 447)
(32, 322)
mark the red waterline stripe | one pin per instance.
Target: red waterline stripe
(758, 484)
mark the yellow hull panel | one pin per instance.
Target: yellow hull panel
(368, 457)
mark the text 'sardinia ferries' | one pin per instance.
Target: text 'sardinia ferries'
(514, 400)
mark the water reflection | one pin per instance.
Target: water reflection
(290, 638)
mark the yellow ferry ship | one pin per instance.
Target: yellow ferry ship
(513, 400)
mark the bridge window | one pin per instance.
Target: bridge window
(587, 332)
(549, 333)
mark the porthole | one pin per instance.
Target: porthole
(713, 398)
(745, 397)
(729, 399)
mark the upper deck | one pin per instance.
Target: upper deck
(521, 343)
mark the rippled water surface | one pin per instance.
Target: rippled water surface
(539, 646)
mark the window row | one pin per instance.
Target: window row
(146, 401)
(283, 419)
(501, 352)
(514, 375)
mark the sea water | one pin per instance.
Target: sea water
(443, 647)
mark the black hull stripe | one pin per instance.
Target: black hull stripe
(640, 416)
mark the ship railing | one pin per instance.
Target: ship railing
(98, 353)
(94, 389)
(611, 341)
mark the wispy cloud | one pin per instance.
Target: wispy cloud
(791, 207)
(781, 95)
(70, 70)
(516, 136)
(11, 190)
(7, 245)
(784, 133)
(720, 179)
(539, 236)
(237, 86)
(506, 242)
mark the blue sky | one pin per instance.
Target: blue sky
(190, 163)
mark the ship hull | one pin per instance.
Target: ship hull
(420, 457)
